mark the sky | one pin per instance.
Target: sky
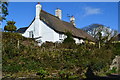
(61, 0)
(85, 13)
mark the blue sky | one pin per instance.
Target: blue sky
(86, 13)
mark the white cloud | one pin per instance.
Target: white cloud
(91, 11)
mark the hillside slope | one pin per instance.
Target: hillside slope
(23, 58)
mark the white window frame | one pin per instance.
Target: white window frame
(31, 34)
(60, 37)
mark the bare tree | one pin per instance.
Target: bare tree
(101, 33)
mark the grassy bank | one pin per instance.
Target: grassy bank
(23, 58)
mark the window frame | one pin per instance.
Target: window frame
(31, 34)
(60, 37)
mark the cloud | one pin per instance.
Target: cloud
(91, 11)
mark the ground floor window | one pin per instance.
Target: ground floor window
(31, 34)
(60, 36)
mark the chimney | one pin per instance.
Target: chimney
(38, 9)
(58, 13)
(72, 20)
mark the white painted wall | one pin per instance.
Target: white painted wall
(31, 28)
(81, 41)
(48, 34)
(76, 40)
(35, 27)
(40, 29)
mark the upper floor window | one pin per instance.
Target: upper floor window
(60, 36)
(31, 34)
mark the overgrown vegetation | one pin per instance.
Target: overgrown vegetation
(23, 58)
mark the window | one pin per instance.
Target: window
(31, 34)
(60, 36)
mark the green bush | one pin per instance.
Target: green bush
(12, 68)
(114, 70)
(116, 48)
(10, 26)
(42, 73)
(64, 74)
(69, 39)
(48, 44)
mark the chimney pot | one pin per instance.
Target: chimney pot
(58, 13)
(72, 20)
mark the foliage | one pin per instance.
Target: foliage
(53, 58)
(42, 73)
(69, 39)
(68, 42)
(113, 71)
(64, 74)
(4, 10)
(116, 48)
(48, 44)
(10, 26)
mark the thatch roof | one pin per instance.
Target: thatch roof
(61, 26)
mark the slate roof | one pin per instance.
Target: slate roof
(60, 26)
(22, 30)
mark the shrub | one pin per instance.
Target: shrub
(10, 26)
(114, 70)
(42, 73)
(64, 74)
(48, 44)
(69, 39)
(12, 67)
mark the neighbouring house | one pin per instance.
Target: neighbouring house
(47, 27)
